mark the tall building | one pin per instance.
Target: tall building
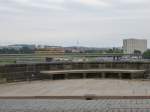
(131, 45)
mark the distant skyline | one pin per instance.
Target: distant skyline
(92, 23)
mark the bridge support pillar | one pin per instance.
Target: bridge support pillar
(120, 75)
(84, 75)
(66, 75)
(51, 76)
(132, 75)
(103, 75)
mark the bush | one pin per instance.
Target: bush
(146, 54)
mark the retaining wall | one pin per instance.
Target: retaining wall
(21, 72)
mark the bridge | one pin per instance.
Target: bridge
(95, 73)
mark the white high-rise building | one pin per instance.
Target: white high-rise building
(130, 45)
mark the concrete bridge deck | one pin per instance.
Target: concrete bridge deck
(99, 73)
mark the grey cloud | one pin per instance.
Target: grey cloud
(66, 21)
(75, 6)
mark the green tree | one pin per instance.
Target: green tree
(26, 50)
(109, 51)
(146, 54)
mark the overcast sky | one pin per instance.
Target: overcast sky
(95, 23)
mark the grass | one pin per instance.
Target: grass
(11, 58)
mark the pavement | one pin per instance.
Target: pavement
(76, 87)
(46, 105)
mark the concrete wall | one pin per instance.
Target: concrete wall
(21, 72)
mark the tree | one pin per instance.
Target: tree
(109, 51)
(146, 54)
(23, 50)
(26, 50)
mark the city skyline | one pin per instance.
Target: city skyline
(93, 23)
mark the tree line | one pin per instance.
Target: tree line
(23, 50)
